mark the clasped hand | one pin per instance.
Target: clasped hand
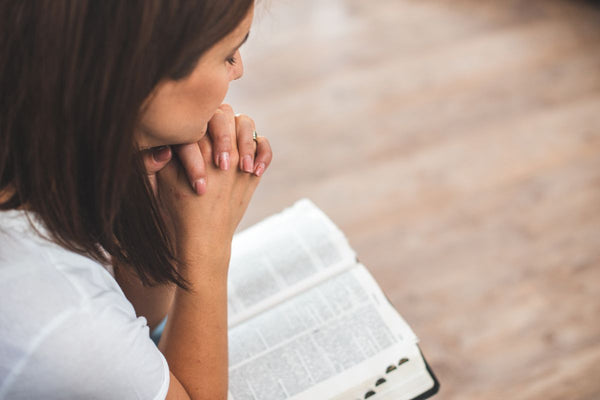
(205, 187)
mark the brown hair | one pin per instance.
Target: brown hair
(74, 75)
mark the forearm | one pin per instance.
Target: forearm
(151, 302)
(194, 341)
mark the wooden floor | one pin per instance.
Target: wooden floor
(457, 143)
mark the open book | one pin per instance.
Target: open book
(307, 321)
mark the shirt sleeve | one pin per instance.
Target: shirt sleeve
(94, 354)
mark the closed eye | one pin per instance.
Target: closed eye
(232, 60)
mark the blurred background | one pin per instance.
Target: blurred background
(457, 144)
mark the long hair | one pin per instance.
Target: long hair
(74, 75)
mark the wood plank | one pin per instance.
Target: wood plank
(458, 146)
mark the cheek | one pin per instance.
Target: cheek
(180, 115)
(215, 92)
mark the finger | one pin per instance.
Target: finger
(169, 172)
(244, 126)
(264, 155)
(172, 177)
(221, 129)
(206, 148)
(154, 160)
(193, 163)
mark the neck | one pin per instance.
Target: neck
(6, 194)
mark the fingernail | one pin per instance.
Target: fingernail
(247, 163)
(161, 154)
(200, 186)
(224, 161)
(260, 169)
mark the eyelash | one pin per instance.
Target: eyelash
(232, 60)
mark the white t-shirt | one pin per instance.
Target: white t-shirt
(66, 329)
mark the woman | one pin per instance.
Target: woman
(122, 180)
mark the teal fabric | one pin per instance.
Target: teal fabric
(157, 332)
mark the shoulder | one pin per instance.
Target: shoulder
(85, 354)
(39, 279)
(65, 326)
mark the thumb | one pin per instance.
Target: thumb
(156, 159)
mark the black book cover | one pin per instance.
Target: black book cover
(436, 385)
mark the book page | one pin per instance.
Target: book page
(309, 340)
(282, 256)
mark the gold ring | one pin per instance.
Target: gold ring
(255, 136)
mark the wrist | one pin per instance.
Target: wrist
(203, 260)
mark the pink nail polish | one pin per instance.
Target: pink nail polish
(260, 169)
(200, 186)
(247, 163)
(161, 154)
(224, 161)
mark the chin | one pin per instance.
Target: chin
(183, 136)
(192, 135)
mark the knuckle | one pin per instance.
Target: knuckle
(225, 108)
(265, 143)
(248, 140)
(196, 173)
(244, 121)
(224, 141)
(220, 133)
(246, 147)
(219, 114)
(249, 121)
(266, 153)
